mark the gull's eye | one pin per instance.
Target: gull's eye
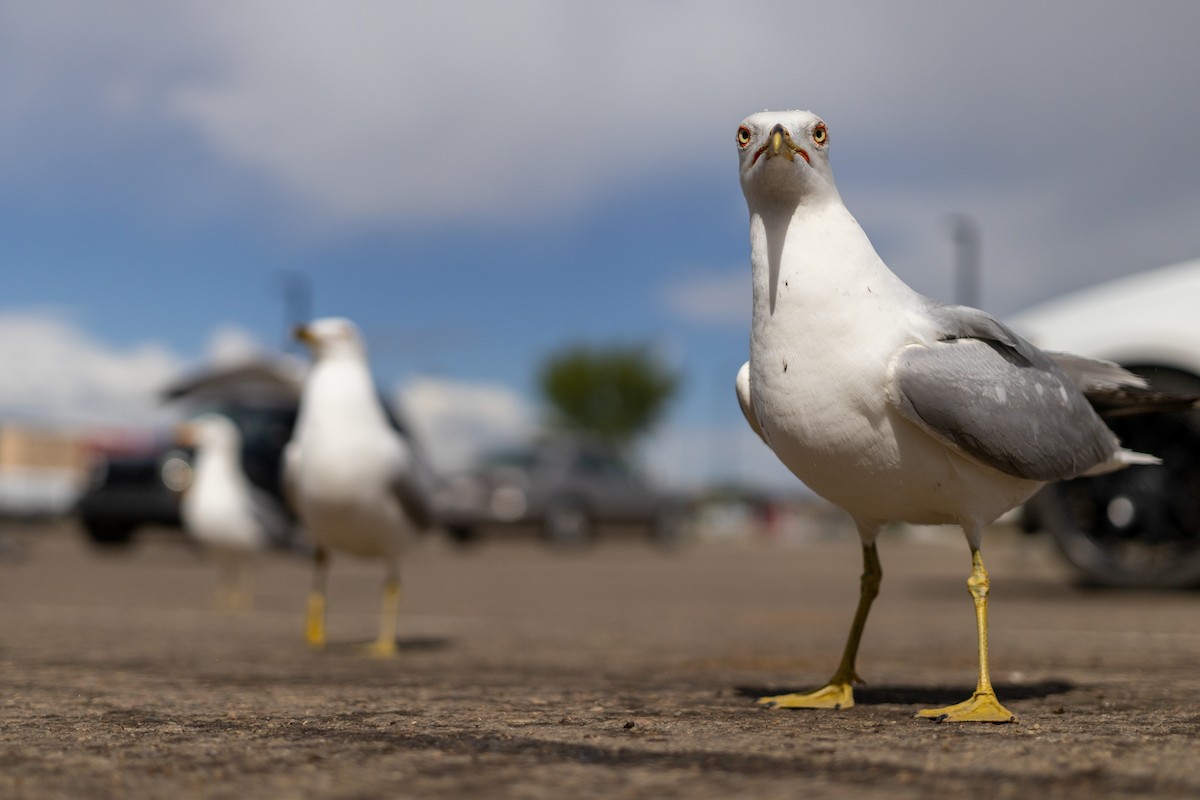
(743, 136)
(819, 134)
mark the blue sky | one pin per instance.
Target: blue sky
(478, 183)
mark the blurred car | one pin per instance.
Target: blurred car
(567, 487)
(130, 490)
(1139, 526)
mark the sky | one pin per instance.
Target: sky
(478, 184)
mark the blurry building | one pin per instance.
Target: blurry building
(42, 471)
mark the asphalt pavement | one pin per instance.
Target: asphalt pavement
(622, 671)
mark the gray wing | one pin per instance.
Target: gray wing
(1092, 375)
(411, 483)
(271, 517)
(290, 475)
(1115, 391)
(986, 391)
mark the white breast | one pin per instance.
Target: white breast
(217, 506)
(348, 457)
(819, 376)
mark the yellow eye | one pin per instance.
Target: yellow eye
(743, 136)
(819, 134)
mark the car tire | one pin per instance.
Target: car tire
(461, 534)
(1140, 526)
(109, 534)
(567, 524)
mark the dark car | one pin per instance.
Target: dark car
(1138, 527)
(566, 487)
(132, 490)
(129, 491)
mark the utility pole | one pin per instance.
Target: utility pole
(297, 305)
(967, 263)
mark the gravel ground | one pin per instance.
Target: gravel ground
(622, 672)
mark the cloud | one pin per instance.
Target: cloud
(711, 298)
(694, 457)
(424, 111)
(232, 344)
(55, 372)
(457, 421)
(1064, 129)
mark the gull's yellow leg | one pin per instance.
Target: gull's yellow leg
(839, 692)
(228, 598)
(223, 600)
(389, 614)
(314, 627)
(983, 705)
(242, 596)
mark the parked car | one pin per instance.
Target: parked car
(132, 490)
(129, 491)
(566, 487)
(1139, 526)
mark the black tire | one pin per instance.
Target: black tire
(567, 524)
(1137, 527)
(462, 535)
(109, 534)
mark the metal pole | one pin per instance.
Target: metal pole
(297, 305)
(967, 266)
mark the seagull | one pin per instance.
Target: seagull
(356, 484)
(223, 510)
(889, 404)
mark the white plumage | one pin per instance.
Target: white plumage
(222, 509)
(356, 484)
(884, 402)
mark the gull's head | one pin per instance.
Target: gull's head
(212, 432)
(784, 156)
(332, 336)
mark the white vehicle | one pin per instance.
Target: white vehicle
(1139, 526)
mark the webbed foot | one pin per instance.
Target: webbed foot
(832, 695)
(981, 707)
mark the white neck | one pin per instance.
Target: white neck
(811, 253)
(344, 383)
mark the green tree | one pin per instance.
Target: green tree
(615, 393)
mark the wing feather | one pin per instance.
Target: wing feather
(987, 392)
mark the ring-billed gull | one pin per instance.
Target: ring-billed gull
(355, 482)
(889, 404)
(223, 510)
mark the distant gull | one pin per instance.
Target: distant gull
(889, 404)
(223, 510)
(355, 482)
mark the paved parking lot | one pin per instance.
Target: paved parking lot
(622, 672)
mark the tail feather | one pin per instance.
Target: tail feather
(1115, 391)
(1121, 459)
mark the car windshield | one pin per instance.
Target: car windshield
(511, 459)
(261, 426)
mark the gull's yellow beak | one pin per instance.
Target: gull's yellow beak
(779, 143)
(185, 434)
(302, 333)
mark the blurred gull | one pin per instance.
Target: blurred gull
(223, 510)
(356, 484)
(889, 404)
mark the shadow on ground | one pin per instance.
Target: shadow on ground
(924, 695)
(407, 644)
